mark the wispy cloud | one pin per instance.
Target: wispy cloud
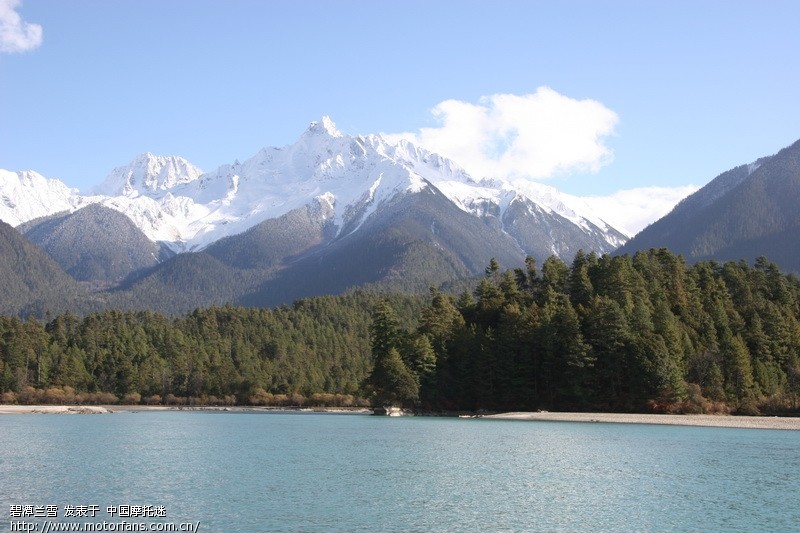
(16, 35)
(632, 210)
(533, 136)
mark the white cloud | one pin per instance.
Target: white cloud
(632, 210)
(15, 34)
(532, 136)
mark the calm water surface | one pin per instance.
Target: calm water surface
(253, 472)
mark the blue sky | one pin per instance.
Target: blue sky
(594, 97)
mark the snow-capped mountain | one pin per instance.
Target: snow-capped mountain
(27, 195)
(148, 175)
(176, 204)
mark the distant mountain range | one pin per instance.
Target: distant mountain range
(175, 203)
(324, 214)
(332, 212)
(749, 211)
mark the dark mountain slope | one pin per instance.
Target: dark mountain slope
(749, 211)
(95, 244)
(273, 241)
(30, 281)
(410, 243)
(184, 282)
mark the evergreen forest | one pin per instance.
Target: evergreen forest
(629, 333)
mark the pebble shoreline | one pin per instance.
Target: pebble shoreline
(744, 422)
(728, 421)
(99, 409)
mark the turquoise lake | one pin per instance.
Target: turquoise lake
(252, 472)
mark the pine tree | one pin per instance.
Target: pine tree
(391, 381)
(606, 330)
(579, 283)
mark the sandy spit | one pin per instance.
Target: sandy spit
(53, 409)
(97, 409)
(751, 422)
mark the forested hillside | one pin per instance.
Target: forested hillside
(626, 333)
(744, 213)
(30, 281)
(95, 244)
(216, 355)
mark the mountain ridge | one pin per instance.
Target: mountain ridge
(745, 212)
(173, 202)
(323, 215)
(94, 244)
(332, 212)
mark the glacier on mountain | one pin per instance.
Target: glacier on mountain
(174, 202)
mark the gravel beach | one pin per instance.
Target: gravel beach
(754, 422)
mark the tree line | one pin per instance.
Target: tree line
(611, 333)
(628, 333)
(311, 353)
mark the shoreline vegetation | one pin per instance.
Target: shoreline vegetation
(721, 421)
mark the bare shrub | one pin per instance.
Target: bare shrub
(153, 399)
(132, 398)
(8, 397)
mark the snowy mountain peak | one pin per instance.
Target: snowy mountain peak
(324, 126)
(172, 202)
(147, 174)
(27, 195)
